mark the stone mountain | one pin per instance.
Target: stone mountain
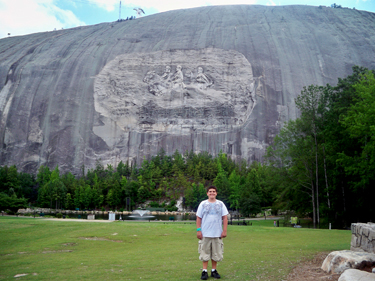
(203, 79)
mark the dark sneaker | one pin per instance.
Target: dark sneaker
(204, 275)
(215, 274)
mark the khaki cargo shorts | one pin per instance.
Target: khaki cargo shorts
(211, 249)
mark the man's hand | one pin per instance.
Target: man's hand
(199, 224)
(225, 226)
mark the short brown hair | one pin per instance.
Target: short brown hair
(211, 187)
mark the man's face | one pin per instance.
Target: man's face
(211, 193)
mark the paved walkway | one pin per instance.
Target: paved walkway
(80, 220)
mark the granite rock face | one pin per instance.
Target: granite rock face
(204, 79)
(363, 237)
(340, 261)
(356, 275)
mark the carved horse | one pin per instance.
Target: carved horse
(156, 84)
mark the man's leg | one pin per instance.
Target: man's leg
(214, 263)
(204, 255)
(217, 255)
(214, 272)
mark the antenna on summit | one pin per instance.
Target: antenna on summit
(119, 14)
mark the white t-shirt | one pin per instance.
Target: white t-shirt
(211, 215)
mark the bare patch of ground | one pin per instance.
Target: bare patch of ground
(69, 244)
(99, 239)
(60, 251)
(310, 270)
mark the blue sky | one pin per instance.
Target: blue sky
(20, 17)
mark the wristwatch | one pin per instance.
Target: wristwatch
(199, 229)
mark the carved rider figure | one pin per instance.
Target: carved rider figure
(167, 73)
(202, 79)
(178, 78)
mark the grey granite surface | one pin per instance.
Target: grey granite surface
(203, 79)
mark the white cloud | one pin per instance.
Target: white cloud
(20, 17)
(271, 3)
(108, 5)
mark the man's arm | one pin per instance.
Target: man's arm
(225, 226)
(199, 224)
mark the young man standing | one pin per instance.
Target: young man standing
(212, 223)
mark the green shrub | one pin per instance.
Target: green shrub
(171, 206)
(12, 202)
(59, 215)
(154, 205)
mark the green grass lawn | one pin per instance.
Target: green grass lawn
(63, 250)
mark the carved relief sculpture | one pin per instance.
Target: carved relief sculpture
(219, 95)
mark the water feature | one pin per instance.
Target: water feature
(141, 214)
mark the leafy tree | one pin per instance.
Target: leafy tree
(56, 188)
(178, 161)
(12, 180)
(293, 152)
(235, 190)
(250, 204)
(44, 197)
(360, 123)
(143, 191)
(69, 181)
(27, 186)
(308, 103)
(12, 202)
(222, 184)
(124, 169)
(195, 195)
(43, 175)
(69, 203)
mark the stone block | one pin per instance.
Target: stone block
(371, 235)
(356, 275)
(359, 230)
(365, 230)
(363, 237)
(355, 242)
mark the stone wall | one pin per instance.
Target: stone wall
(363, 237)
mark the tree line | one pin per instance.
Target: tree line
(320, 165)
(326, 158)
(162, 180)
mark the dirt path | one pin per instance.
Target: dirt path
(311, 271)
